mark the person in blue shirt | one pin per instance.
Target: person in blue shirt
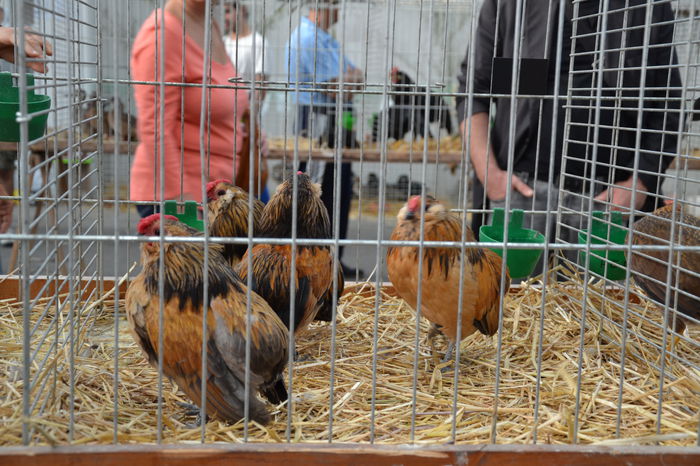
(315, 69)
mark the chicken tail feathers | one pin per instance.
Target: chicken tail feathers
(276, 392)
(301, 298)
(325, 313)
(226, 391)
(488, 324)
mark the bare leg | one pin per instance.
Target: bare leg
(192, 410)
(449, 353)
(679, 327)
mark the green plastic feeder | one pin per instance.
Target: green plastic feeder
(521, 262)
(189, 216)
(9, 106)
(604, 262)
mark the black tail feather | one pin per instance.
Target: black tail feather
(276, 392)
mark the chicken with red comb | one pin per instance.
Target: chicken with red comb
(183, 313)
(440, 277)
(272, 263)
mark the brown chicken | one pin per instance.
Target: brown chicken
(649, 268)
(226, 325)
(227, 211)
(441, 272)
(272, 263)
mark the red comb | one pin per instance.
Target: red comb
(413, 203)
(300, 172)
(146, 222)
(212, 185)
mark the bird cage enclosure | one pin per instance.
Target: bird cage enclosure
(477, 162)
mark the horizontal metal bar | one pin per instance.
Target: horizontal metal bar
(348, 242)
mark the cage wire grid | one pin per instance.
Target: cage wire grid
(577, 358)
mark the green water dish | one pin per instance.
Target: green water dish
(189, 214)
(520, 262)
(609, 264)
(9, 107)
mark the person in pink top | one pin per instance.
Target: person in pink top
(182, 114)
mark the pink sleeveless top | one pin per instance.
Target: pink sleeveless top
(222, 132)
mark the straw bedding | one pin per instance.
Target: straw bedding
(352, 399)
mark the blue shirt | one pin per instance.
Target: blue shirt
(315, 55)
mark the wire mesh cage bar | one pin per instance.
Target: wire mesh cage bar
(351, 222)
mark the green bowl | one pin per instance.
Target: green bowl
(520, 262)
(609, 264)
(9, 106)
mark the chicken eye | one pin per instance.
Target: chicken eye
(220, 192)
(156, 232)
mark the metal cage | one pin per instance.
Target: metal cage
(585, 102)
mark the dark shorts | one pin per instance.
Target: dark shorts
(145, 210)
(7, 159)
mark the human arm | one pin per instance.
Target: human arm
(481, 152)
(660, 117)
(34, 47)
(494, 179)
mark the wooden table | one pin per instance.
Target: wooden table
(349, 155)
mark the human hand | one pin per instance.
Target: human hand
(34, 47)
(497, 183)
(353, 75)
(6, 206)
(620, 196)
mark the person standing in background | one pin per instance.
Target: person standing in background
(244, 46)
(7, 157)
(246, 50)
(35, 47)
(224, 132)
(313, 55)
(532, 152)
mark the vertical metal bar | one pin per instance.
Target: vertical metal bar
(603, 30)
(115, 164)
(548, 225)
(464, 201)
(252, 119)
(24, 225)
(625, 307)
(361, 167)
(515, 75)
(421, 247)
(160, 169)
(292, 276)
(183, 50)
(203, 160)
(675, 217)
(71, 242)
(380, 228)
(337, 169)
